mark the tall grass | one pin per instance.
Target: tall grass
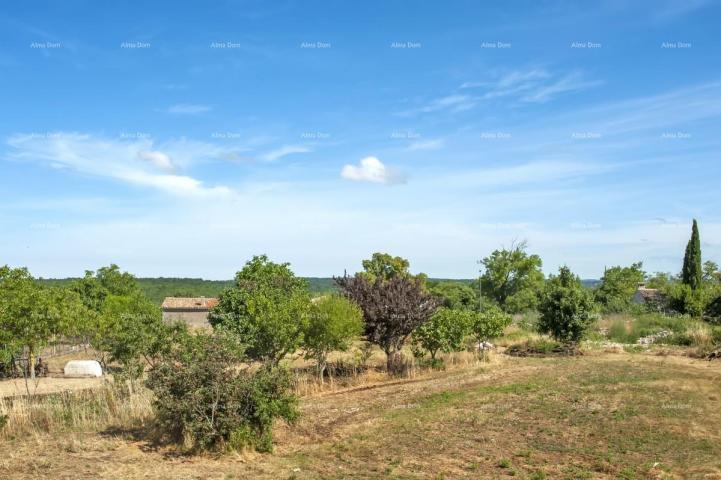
(681, 330)
(95, 409)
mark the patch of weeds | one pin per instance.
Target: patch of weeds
(504, 463)
(627, 474)
(538, 475)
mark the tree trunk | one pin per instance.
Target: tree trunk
(394, 362)
(31, 362)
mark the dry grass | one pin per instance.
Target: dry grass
(74, 411)
(602, 416)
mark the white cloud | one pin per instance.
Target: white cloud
(159, 159)
(188, 109)
(370, 169)
(283, 151)
(133, 162)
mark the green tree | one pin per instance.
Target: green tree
(489, 323)
(445, 332)
(333, 323)
(267, 308)
(692, 273)
(385, 266)
(130, 329)
(512, 278)
(711, 273)
(619, 285)
(566, 308)
(32, 315)
(455, 295)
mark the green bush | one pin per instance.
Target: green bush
(207, 400)
(444, 332)
(566, 308)
(489, 323)
(333, 323)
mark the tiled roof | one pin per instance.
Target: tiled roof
(189, 303)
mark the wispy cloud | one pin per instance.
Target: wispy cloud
(370, 169)
(568, 83)
(535, 85)
(535, 172)
(451, 103)
(159, 159)
(432, 144)
(188, 109)
(283, 151)
(135, 162)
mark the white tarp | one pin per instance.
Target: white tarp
(83, 368)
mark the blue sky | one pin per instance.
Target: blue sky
(181, 138)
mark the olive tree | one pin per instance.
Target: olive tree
(267, 308)
(333, 323)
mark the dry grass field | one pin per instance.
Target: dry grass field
(602, 415)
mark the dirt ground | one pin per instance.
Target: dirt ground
(598, 416)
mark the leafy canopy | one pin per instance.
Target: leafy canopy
(619, 285)
(392, 308)
(512, 278)
(455, 295)
(267, 308)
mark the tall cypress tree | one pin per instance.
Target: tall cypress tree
(692, 273)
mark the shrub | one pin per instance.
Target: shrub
(333, 323)
(489, 323)
(205, 399)
(566, 308)
(444, 332)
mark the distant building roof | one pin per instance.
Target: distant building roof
(648, 295)
(189, 303)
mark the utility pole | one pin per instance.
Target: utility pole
(480, 291)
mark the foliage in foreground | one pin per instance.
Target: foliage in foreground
(207, 400)
(566, 308)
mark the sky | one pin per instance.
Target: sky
(182, 138)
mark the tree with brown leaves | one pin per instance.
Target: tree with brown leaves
(392, 309)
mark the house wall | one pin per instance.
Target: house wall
(192, 319)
